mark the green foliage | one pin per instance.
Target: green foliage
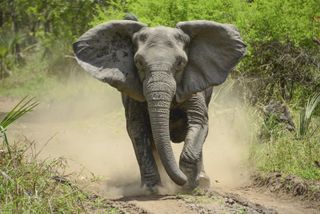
(306, 116)
(8, 58)
(258, 21)
(58, 18)
(48, 26)
(281, 71)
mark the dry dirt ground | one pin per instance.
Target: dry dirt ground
(89, 131)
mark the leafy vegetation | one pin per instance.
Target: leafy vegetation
(290, 151)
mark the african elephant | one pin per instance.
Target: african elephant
(165, 76)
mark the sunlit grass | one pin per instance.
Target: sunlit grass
(289, 156)
(287, 153)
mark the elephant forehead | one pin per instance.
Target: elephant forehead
(163, 32)
(163, 29)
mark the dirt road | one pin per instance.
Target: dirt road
(244, 200)
(90, 133)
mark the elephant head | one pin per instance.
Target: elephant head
(160, 64)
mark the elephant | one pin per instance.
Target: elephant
(166, 77)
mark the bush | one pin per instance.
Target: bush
(280, 71)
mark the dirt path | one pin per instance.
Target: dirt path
(280, 203)
(244, 201)
(100, 145)
(237, 201)
(213, 203)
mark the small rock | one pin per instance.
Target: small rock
(277, 175)
(229, 201)
(299, 189)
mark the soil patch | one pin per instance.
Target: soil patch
(289, 184)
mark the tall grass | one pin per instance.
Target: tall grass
(290, 156)
(30, 185)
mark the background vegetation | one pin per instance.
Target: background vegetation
(280, 75)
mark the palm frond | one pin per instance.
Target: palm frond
(24, 106)
(306, 114)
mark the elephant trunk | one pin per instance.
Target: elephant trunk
(159, 89)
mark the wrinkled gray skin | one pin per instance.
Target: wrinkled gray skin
(166, 77)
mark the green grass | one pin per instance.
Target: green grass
(289, 155)
(292, 153)
(31, 185)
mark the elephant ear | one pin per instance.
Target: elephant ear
(214, 50)
(106, 52)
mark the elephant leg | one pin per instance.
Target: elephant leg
(191, 160)
(139, 131)
(203, 180)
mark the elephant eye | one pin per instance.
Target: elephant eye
(169, 44)
(138, 64)
(181, 62)
(142, 37)
(138, 60)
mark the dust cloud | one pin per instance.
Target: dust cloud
(232, 129)
(83, 121)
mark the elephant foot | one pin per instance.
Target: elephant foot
(192, 169)
(150, 189)
(197, 178)
(203, 181)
